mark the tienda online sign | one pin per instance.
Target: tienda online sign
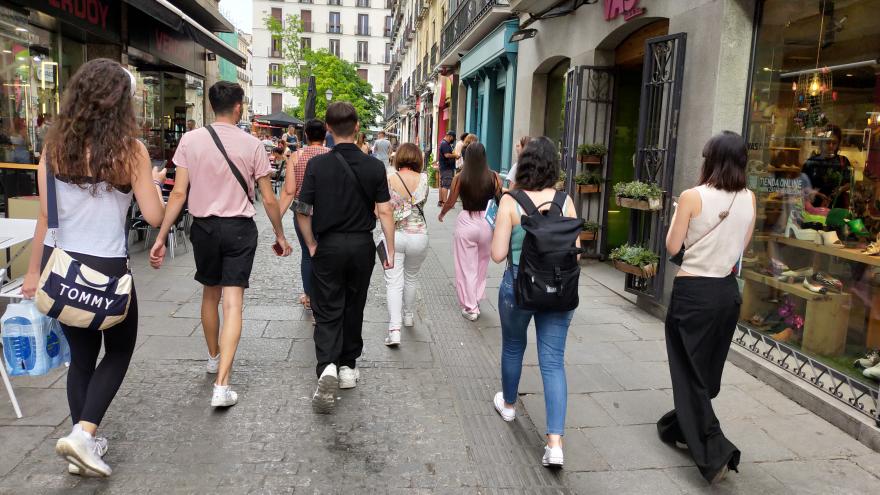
(627, 8)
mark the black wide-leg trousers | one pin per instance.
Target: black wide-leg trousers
(700, 322)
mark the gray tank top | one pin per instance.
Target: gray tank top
(91, 224)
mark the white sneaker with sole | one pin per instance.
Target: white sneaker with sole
(469, 316)
(507, 413)
(408, 320)
(213, 364)
(80, 448)
(223, 396)
(552, 457)
(393, 338)
(102, 445)
(324, 399)
(348, 378)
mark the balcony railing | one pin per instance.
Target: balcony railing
(306, 1)
(465, 17)
(434, 55)
(274, 53)
(334, 2)
(334, 28)
(386, 32)
(363, 58)
(365, 4)
(363, 30)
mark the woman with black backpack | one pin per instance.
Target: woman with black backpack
(552, 213)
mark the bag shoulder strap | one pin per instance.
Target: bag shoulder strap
(722, 216)
(353, 177)
(232, 167)
(51, 197)
(524, 201)
(412, 199)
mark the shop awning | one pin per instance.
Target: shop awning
(279, 118)
(175, 19)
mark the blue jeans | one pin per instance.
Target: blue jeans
(552, 329)
(305, 265)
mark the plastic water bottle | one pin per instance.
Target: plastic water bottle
(19, 339)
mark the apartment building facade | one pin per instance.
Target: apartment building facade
(357, 31)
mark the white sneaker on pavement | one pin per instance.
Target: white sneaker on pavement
(223, 396)
(393, 338)
(507, 413)
(469, 315)
(408, 320)
(80, 448)
(102, 445)
(213, 364)
(348, 378)
(324, 399)
(552, 457)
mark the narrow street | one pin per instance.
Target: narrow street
(421, 419)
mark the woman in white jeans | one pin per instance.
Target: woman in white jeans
(409, 192)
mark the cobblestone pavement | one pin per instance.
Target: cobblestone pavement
(421, 419)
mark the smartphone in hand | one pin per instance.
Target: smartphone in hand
(382, 252)
(277, 248)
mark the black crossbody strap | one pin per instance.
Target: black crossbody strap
(232, 167)
(51, 197)
(722, 217)
(371, 205)
(411, 197)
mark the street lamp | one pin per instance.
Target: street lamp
(329, 94)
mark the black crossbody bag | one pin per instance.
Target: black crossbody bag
(232, 167)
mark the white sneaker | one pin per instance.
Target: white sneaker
(408, 320)
(348, 378)
(223, 396)
(102, 445)
(324, 399)
(80, 448)
(213, 364)
(507, 413)
(393, 338)
(469, 315)
(552, 457)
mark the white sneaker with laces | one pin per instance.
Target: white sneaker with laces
(507, 413)
(552, 457)
(80, 448)
(213, 364)
(408, 320)
(102, 445)
(324, 399)
(393, 338)
(348, 378)
(469, 315)
(223, 396)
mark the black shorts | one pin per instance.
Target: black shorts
(446, 178)
(224, 250)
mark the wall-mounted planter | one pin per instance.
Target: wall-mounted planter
(639, 204)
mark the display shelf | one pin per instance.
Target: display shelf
(782, 148)
(845, 253)
(793, 289)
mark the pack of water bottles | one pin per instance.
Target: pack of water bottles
(33, 343)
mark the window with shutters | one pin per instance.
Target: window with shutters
(363, 55)
(276, 102)
(363, 74)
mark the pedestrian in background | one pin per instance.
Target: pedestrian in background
(340, 192)
(713, 223)
(459, 160)
(518, 149)
(409, 193)
(362, 144)
(218, 170)
(382, 149)
(446, 165)
(96, 163)
(329, 141)
(289, 139)
(314, 131)
(476, 185)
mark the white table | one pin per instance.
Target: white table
(13, 231)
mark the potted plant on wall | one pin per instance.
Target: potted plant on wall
(638, 195)
(635, 260)
(587, 182)
(560, 183)
(591, 153)
(589, 230)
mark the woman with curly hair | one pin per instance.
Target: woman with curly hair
(97, 164)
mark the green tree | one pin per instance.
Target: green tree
(292, 51)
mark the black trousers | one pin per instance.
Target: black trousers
(341, 271)
(700, 322)
(91, 387)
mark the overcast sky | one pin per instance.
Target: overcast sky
(240, 12)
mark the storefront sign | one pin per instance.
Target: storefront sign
(92, 11)
(160, 41)
(99, 17)
(627, 8)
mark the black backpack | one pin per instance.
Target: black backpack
(548, 267)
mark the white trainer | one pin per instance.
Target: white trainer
(507, 413)
(469, 315)
(80, 448)
(348, 378)
(552, 457)
(223, 396)
(213, 364)
(393, 338)
(102, 445)
(408, 320)
(324, 399)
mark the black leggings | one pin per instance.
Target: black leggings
(90, 389)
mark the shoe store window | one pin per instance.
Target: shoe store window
(811, 278)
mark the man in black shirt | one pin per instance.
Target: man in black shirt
(446, 160)
(340, 192)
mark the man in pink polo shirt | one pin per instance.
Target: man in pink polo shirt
(220, 165)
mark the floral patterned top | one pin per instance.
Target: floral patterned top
(407, 217)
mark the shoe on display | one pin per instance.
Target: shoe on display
(102, 445)
(507, 413)
(393, 338)
(777, 266)
(348, 378)
(872, 249)
(213, 364)
(786, 335)
(830, 239)
(857, 227)
(812, 286)
(468, 315)
(871, 359)
(408, 320)
(827, 281)
(794, 230)
(873, 372)
(324, 399)
(81, 449)
(795, 275)
(552, 457)
(223, 396)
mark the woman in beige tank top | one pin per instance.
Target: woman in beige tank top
(713, 221)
